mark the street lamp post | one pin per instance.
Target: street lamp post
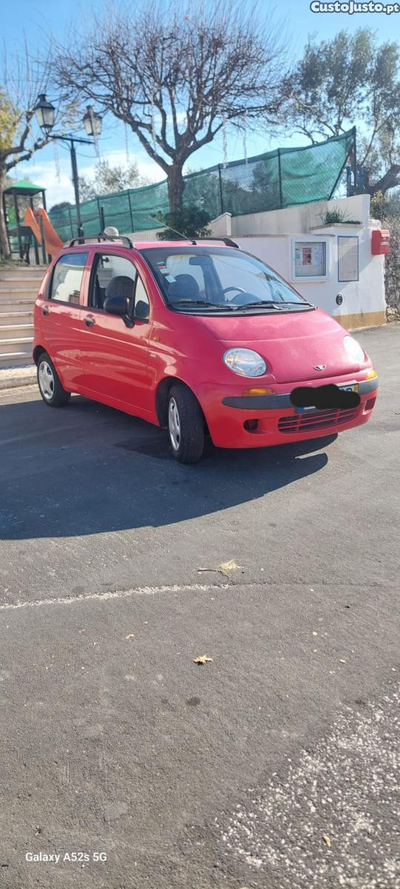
(45, 113)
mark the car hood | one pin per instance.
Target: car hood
(293, 344)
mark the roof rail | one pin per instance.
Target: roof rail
(227, 241)
(101, 237)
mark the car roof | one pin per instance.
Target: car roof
(146, 245)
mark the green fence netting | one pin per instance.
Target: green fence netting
(281, 178)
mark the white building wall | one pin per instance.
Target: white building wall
(364, 299)
(301, 218)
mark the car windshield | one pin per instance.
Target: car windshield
(207, 279)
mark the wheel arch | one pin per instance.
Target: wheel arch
(162, 393)
(37, 353)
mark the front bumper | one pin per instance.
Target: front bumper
(238, 421)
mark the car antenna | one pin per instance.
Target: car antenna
(181, 235)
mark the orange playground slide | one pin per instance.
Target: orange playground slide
(52, 242)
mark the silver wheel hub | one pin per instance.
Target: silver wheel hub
(46, 380)
(174, 424)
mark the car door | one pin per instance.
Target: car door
(115, 354)
(61, 321)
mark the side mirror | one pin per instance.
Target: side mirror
(116, 305)
(142, 310)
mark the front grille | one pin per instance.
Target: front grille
(316, 420)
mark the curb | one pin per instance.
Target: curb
(16, 381)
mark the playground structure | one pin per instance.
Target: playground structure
(32, 233)
(39, 223)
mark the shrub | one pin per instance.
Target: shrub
(189, 222)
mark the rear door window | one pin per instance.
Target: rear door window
(67, 278)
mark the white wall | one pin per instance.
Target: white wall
(301, 218)
(359, 297)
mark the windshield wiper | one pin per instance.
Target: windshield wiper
(202, 302)
(266, 303)
(261, 302)
(296, 302)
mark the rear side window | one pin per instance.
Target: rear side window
(67, 278)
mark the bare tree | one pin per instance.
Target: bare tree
(20, 83)
(177, 74)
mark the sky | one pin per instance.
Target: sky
(35, 19)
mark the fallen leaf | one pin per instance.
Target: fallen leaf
(202, 659)
(229, 566)
(130, 636)
(222, 568)
(327, 840)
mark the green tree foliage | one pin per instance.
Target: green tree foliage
(351, 80)
(9, 120)
(109, 180)
(62, 205)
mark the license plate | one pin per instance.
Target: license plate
(348, 387)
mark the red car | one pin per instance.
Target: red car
(196, 337)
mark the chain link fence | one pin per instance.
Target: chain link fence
(281, 178)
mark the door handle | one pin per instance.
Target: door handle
(89, 322)
(45, 310)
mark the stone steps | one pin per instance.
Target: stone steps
(21, 344)
(15, 359)
(11, 317)
(15, 330)
(22, 273)
(19, 287)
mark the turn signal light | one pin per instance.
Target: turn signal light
(370, 374)
(259, 391)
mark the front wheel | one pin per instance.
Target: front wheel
(49, 383)
(185, 425)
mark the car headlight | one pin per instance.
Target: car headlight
(245, 362)
(354, 349)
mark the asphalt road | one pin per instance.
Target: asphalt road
(273, 766)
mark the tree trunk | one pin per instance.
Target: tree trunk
(388, 181)
(176, 187)
(4, 244)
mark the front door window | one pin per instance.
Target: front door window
(108, 266)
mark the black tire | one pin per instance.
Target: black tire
(49, 383)
(187, 439)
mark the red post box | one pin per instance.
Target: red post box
(380, 241)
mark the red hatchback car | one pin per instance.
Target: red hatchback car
(196, 337)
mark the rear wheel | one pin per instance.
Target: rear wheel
(49, 383)
(185, 425)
